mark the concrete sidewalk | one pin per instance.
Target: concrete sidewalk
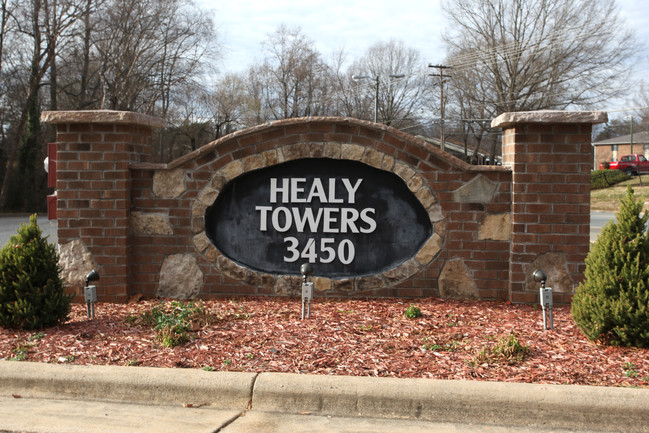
(36, 397)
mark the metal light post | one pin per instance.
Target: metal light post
(90, 292)
(376, 89)
(307, 289)
(545, 297)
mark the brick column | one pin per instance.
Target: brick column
(550, 155)
(94, 150)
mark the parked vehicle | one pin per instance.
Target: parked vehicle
(632, 164)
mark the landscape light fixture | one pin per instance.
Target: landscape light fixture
(90, 292)
(377, 80)
(307, 289)
(545, 297)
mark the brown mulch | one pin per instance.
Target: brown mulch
(342, 337)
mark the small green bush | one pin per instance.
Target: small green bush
(412, 312)
(611, 305)
(32, 292)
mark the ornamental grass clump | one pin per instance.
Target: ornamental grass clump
(32, 291)
(611, 305)
(508, 350)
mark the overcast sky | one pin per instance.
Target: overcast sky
(330, 24)
(354, 25)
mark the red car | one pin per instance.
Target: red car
(632, 164)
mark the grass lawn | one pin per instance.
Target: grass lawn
(608, 199)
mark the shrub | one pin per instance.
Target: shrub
(611, 305)
(604, 178)
(412, 312)
(32, 292)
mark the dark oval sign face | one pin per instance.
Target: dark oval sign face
(346, 218)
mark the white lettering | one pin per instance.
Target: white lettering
(351, 190)
(296, 189)
(329, 220)
(307, 216)
(274, 189)
(317, 191)
(288, 221)
(263, 217)
(332, 192)
(316, 219)
(348, 217)
(369, 220)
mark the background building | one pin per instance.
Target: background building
(612, 149)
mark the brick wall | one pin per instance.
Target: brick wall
(143, 226)
(551, 157)
(94, 188)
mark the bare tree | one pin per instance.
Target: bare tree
(78, 84)
(6, 12)
(396, 86)
(292, 76)
(538, 54)
(147, 48)
(226, 104)
(44, 25)
(7, 28)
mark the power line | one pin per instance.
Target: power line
(487, 55)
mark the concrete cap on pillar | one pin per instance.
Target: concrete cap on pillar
(102, 116)
(549, 116)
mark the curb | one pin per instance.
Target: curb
(147, 385)
(467, 402)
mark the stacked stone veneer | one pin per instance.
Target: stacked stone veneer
(142, 224)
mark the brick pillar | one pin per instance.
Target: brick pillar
(94, 150)
(550, 155)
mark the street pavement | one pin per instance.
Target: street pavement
(39, 398)
(9, 225)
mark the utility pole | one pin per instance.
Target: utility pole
(631, 131)
(441, 76)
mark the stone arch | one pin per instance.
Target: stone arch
(351, 149)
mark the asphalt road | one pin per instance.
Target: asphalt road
(10, 224)
(597, 221)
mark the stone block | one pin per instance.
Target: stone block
(455, 281)
(169, 183)
(144, 223)
(477, 190)
(497, 227)
(180, 277)
(76, 262)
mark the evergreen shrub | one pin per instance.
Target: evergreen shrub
(611, 305)
(32, 292)
(600, 179)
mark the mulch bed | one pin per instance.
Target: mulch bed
(342, 337)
